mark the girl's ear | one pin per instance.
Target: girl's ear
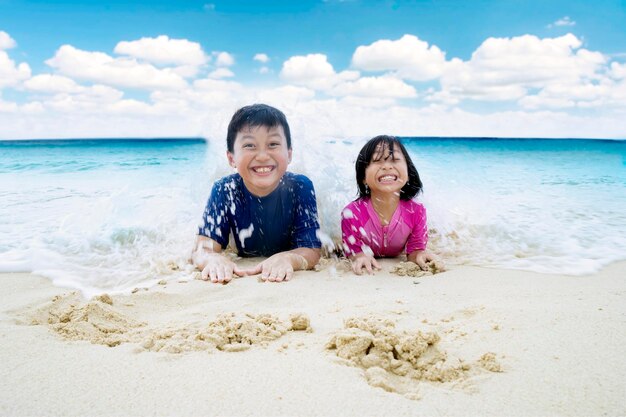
(231, 159)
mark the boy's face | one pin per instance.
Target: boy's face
(261, 157)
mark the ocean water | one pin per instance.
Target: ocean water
(111, 215)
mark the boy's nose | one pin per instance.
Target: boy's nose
(262, 155)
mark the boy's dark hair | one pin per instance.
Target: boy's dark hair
(253, 116)
(369, 152)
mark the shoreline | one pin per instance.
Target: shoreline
(559, 340)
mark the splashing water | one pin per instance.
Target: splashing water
(113, 215)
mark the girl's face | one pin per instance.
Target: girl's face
(387, 172)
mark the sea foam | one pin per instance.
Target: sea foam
(124, 215)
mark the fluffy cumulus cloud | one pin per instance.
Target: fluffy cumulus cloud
(121, 71)
(224, 59)
(263, 58)
(221, 73)
(409, 57)
(314, 71)
(404, 83)
(509, 68)
(383, 87)
(51, 83)
(164, 51)
(11, 74)
(6, 41)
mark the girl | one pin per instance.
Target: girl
(384, 220)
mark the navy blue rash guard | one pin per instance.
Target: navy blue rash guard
(283, 220)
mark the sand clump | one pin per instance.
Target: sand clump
(95, 321)
(300, 322)
(410, 269)
(489, 362)
(98, 322)
(227, 333)
(397, 361)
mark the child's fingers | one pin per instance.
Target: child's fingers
(213, 274)
(368, 266)
(205, 273)
(289, 274)
(376, 265)
(422, 264)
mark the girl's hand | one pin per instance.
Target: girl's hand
(361, 261)
(421, 258)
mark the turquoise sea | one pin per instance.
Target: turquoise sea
(110, 215)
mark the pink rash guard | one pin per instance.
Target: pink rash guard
(361, 228)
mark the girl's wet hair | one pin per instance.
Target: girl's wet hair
(253, 116)
(372, 152)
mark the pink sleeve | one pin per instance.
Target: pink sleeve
(350, 225)
(419, 232)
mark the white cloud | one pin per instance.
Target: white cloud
(10, 73)
(564, 21)
(314, 71)
(507, 68)
(263, 58)
(618, 71)
(164, 51)
(6, 41)
(208, 84)
(264, 70)
(409, 57)
(50, 83)
(102, 68)
(224, 59)
(221, 73)
(384, 87)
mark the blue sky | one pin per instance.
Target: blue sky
(480, 68)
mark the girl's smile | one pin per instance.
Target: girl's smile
(387, 172)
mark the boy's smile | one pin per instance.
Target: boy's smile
(261, 156)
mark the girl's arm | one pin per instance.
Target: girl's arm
(351, 227)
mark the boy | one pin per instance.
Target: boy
(270, 212)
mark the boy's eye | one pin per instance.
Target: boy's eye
(274, 144)
(248, 146)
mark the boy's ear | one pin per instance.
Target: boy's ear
(231, 159)
(289, 156)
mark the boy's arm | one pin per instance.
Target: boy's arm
(310, 256)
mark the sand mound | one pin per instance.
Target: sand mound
(397, 361)
(412, 270)
(95, 321)
(98, 322)
(226, 333)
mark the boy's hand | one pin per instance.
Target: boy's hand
(361, 261)
(220, 269)
(278, 267)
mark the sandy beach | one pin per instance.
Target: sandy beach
(469, 341)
